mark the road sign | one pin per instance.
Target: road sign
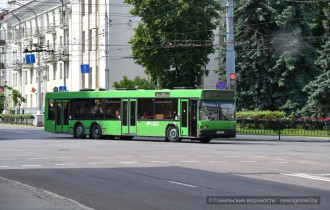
(30, 59)
(62, 89)
(221, 85)
(84, 68)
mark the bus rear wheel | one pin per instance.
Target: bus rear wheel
(79, 131)
(172, 134)
(96, 131)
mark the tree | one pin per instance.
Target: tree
(137, 83)
(174, 38)
(274, 58)
(16, 96)
(318, 103)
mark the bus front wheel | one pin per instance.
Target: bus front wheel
(172, 134)
(96, 132)
(79, 131)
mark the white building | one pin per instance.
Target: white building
(71, 33)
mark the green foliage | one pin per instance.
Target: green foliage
(268, 115)
(274, 57)
(2, 101)
(17, 97)
(137, 83)
(17, 116)
(174, 38)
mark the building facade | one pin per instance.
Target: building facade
(62, 35)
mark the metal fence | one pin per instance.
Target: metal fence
(20, 121)
(283, 127)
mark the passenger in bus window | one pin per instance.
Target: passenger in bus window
(118, 113)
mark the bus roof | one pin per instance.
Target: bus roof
(165, 93)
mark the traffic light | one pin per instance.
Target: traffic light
(232, 84)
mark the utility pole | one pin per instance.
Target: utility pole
(107, 71)
(230, 54)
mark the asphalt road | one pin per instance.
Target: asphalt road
(39, 170)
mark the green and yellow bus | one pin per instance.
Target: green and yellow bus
(195, 114)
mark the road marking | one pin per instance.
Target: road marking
(32, 165)
(150, 156)
(159, 161)
(248, 161)
(4, 166)
(183, 184)
(308, 176)
(279, 162)
(218, 161)
(122, 156)
(94, 157)
(189, 161)
(37, 158)
(65, 164)
(99, 163)
(65, 157)
(128, 162)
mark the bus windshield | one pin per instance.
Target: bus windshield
(217, 110)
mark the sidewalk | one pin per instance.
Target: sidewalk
(18, 196)
(282, 138)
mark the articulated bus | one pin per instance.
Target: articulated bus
(194, 114)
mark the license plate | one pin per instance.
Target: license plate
(220, 132)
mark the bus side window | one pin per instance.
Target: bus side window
(51, 109)
(145, 108)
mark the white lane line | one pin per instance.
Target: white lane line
(159, 161)
(94, 157)
(128, 162)
(308, 176)
(149, 156)
(189, 161)
(41, 158)
(218, 161)
(99, 163)
(183, 184)
(248, 161)
(122, 156)
(279, 162)
(65, 164)
(305, 161)
(4, 166)
(32, 165)
(65, 157)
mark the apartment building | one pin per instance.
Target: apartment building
(62, 35)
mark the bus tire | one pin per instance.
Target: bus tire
(205, 140)
(96, 131)
(79, 131)
(172, 134)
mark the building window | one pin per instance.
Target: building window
(90, 6)
(90, 39)
(83, 42)
(90, 77)
(67, 69)
(31, 99)
(54, 71)
(25, 77)
(83, 7)
(15, 80)
(31, 76)
(61, 71)
(47, 73)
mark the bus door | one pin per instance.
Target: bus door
(192, 118)
(128, 125)
(184, 117)
(62, 116)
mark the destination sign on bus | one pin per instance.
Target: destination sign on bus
(209, 94)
